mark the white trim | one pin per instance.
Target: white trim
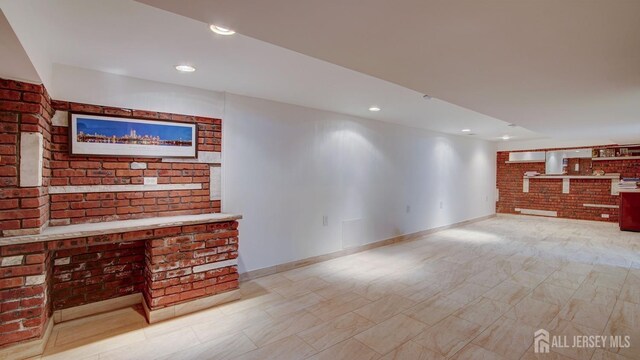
(60, 118)
(215, 265)
(615, 187)
(525, 185)
(565, 186)
(31, 154)
(97, 307)
(577, 177)
(601, 206)
(537, 212)
(616, 158)
(120, 188)
(172, 311)
(204, 157)
(215, 183)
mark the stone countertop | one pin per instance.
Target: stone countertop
(113, 227)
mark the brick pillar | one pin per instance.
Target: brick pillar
(24, 305)
(25, 138)
(190, 262)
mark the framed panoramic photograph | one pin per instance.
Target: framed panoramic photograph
(115, 136)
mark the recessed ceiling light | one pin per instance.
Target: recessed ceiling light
(506, 137)
(185, 68)
(374, 108)
(466, 130)
(220, 30)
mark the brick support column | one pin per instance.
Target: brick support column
(191, 262)
(24, 305)
(25, 116)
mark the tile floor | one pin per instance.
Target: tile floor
(474, 292)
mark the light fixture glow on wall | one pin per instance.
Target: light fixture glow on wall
(220, 30)
(374, 108)
(185, 68)
(466, 130)
(506, 137)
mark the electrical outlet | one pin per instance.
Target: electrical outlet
(325, 220)
(441, 205)
(151, 181)
(408, 209)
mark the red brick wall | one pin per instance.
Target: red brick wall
(85, 170)
(24, 308)
(172, 274)
(87, 274)
(37, 278)
(546, 194)
(23, 108)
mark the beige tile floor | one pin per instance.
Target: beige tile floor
(472, 292)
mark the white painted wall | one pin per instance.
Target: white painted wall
(287, 166)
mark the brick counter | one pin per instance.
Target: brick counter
(189, 259)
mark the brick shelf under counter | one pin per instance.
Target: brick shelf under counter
(179, 264)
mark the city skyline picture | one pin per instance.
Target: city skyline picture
(92, 130)
(101, 135)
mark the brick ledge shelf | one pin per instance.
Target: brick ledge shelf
(180, 264)
(111, 227)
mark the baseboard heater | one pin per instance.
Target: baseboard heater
(548, 213)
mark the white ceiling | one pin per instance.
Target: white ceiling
(564, 68)
(129, 38)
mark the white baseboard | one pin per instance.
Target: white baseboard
(95, 308)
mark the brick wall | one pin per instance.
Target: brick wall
(24, 108)
(168, 265)
(37, 278)
(87, 274)
(182, 265)
(546, 194)
(24, 308)
(108, 206)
